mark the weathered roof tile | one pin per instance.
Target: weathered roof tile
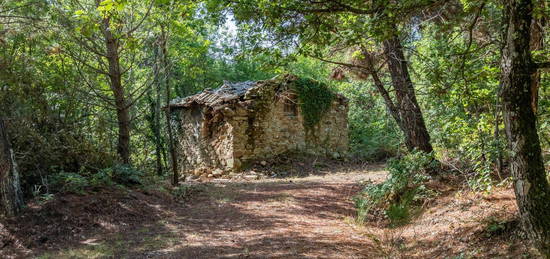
(226, 93)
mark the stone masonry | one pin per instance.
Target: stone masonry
(223, 130)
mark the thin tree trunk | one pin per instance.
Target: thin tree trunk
(173, 155)
(536, 43)
(158, 125)
(393, 110)
(156, 112)
(416, 134)
(11, 197)
(158, 155)
(153, 120)
(498, 159)
(122, 107)
(530, 185)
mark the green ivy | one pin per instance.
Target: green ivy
(314, 99)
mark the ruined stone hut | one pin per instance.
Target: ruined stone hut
(222, 130)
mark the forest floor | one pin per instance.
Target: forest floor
(307, 216)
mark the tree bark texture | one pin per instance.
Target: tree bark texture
(527, 167)
(412, 121)
(115, 78)
(11, 197)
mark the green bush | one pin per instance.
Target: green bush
(396, 195)
(373, 134)
(77, 182)
(101, 178)
(68, 182)
(399, 213)
(121, 174)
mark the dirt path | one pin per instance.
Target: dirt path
(308, 217)
(297, 218)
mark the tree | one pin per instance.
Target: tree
(412, 121)
(105, 45)
(527, 166)
(175, 39)
(314, 26)
(11, 197)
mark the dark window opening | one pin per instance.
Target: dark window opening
(291, 109)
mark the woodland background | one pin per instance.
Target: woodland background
(83, 83)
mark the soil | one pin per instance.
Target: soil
(308, 215)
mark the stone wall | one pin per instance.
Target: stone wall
(265, 122)
(281, 129)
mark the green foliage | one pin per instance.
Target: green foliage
(462, 82)
(399, 213)
(46, 197)
(315, 98)
(122, 174)
(68, 182)
(373, 134)
(101, 179)
(481, 181)
(396, 195)
(495, 226)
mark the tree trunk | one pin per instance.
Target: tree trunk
(527, 167)
(11, 197)
(499, 166)
(536, 43)
(156, 107)
(173, 154)
(393, 110)
(122, 107)
(154, 121)
(416, 134)
(158, 132)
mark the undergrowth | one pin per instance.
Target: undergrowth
(373, 136)
(404, 188)
(70, 182)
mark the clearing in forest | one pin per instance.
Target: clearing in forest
(296, 217)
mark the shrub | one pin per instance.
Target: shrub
(77, 182)
(405, 185)
(63, 148)
(101, 178)
(373, 134)
(398, 213)
(121, 174)
(68, 182)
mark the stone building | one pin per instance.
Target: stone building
(223, 130)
